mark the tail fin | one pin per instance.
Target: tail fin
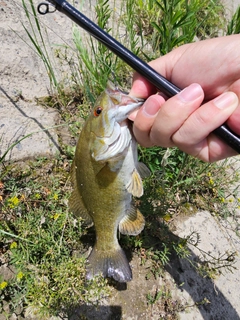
(112, 264)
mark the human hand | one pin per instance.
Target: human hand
(209, 71)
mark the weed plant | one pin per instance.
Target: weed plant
(40, 239)
(234, 23)
(38, 41)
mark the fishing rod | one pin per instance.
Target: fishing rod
(160, 82)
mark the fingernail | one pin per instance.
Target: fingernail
(225, 100)
(190, 93)
(150, 108)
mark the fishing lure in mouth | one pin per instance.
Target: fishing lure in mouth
(161, 83)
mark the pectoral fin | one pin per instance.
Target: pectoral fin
(143, 170)
(135, 186)
(133, 223)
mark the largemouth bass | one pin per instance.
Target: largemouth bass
(105, 175)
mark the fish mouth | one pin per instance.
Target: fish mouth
(123, 104)
(125, 109)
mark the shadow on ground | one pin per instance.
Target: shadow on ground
(97, 313)
(207, 297)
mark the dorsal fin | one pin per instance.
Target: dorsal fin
(133, 223)
(77, 207)
(75, 203)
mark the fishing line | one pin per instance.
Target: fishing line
(47, 8)
(43, 24)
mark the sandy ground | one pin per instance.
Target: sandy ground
(22, 78)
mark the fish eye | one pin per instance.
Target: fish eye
(97, 111)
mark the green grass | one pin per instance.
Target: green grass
(40, 239)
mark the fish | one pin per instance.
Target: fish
(106, 175)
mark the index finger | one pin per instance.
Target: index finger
(141, 87)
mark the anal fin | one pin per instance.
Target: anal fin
(133, 223)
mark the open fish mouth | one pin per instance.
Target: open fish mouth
(125, 110)
(124, 103)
